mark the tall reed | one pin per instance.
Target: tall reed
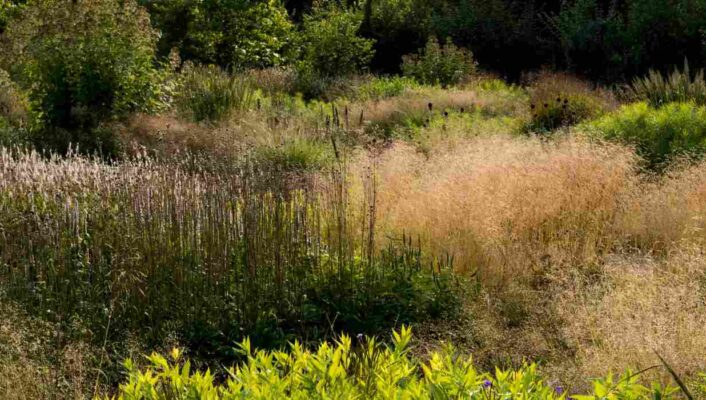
(153, 249)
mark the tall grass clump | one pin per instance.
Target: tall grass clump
(659, 134)
(210, 94)
(362, 368)
(155, 250)
(658, 89)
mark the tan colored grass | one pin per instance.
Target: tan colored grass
(587, 264)
(669, 210)
(642, 305)
(34, 364)
(167, 135)
(507, 205)
(545, 86)
(415, 105)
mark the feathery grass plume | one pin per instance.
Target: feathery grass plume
(659, 90)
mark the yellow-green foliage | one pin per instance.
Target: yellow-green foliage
(361, 369)
(659, 134)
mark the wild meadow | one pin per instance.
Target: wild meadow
(390, 199)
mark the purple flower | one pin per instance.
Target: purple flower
(487, 383)
(559, 390)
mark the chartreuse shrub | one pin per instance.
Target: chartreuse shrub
(439, 65)
(83, 63)
(659, 134)
(361, 369)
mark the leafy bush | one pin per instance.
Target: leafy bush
(658, 134)
(83, 63)
(610, 42)
(399, 27)
(679, 86)
(207, 93)
(332, 52)
(362, 368)
(332, 46)
(436, 65)
(13, 104)
(235, 34)
(8, 9)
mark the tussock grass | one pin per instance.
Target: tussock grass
(507, 205)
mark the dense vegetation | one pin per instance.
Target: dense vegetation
(247, 185)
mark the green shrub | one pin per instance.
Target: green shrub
(234, 34)
(609, 43)
(83, 63)
(362, 368)
(8, 9)
(436, 65)
(207, 93)
(332, 46)
(679, 86)
(660, 134)
(399, 27)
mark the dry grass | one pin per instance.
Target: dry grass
(586, 263)
(546, 86)
(641, 305)
(507, 205)
(414, 105)
(35, 363)
(166, 135)
(668, 210)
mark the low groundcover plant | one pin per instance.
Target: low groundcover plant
(361, 368)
